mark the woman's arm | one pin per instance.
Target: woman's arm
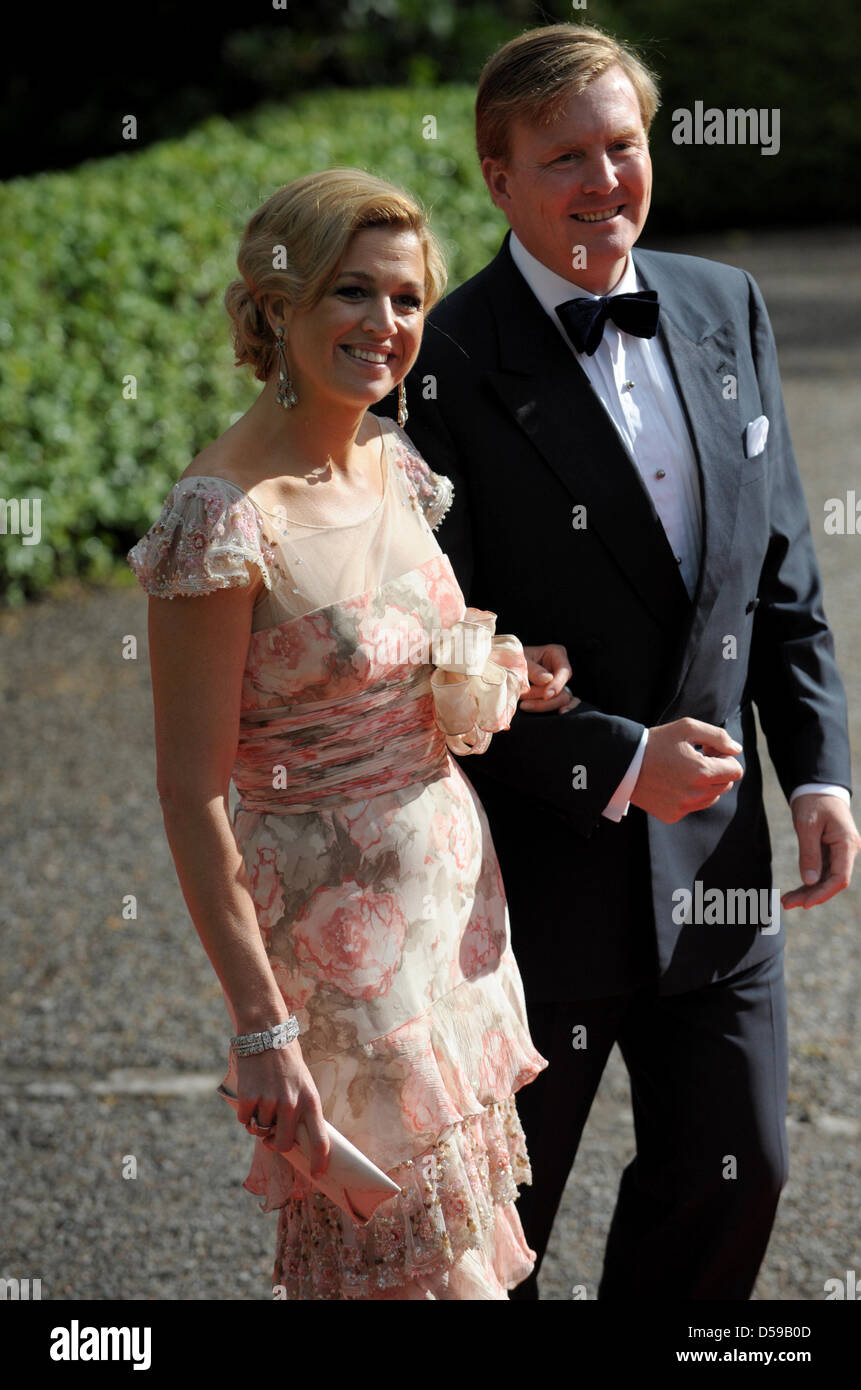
(198, 649)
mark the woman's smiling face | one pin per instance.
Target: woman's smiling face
(364, 335)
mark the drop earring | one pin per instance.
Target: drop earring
(403, 414)
(284, 395)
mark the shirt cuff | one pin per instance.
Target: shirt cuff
(618, 805)
(821, 789)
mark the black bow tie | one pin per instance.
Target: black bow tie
(584, 319)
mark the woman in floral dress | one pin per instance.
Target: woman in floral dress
(355, 886)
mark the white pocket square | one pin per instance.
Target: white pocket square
(755, 436)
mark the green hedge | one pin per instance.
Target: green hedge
(118, 269)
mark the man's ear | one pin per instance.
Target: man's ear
(495, 175)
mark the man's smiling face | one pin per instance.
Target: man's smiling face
(585, 180)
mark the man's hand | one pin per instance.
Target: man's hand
(828, 842)
(687, 766)
(548, 668)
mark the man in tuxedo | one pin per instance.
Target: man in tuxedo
(625, 485)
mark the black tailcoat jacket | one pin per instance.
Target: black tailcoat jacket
(498, 403)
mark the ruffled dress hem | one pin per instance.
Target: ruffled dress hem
(451, 1233)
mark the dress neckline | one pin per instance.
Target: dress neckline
(353, 599)
(312, 525)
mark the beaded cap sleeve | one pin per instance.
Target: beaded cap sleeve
(206, 533)
(434, 491)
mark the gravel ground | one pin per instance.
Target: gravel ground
(116, 1031)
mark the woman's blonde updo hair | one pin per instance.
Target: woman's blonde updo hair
(313, 219)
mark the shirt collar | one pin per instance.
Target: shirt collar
(551, 289)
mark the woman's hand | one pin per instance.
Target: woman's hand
(548, 669)
(276, 1087)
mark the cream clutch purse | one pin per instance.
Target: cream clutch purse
(351, 1181)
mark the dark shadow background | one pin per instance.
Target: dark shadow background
(73, 72)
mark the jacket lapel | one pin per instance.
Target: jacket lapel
(544, 388)
(702, 355)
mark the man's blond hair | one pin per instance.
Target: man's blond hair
(531, 77)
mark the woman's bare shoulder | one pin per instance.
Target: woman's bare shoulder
(219, 459)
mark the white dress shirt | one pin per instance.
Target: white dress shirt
(633, 381)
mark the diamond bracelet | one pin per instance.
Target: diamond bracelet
(279, 1035)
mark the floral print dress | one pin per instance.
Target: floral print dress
(373, 874)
